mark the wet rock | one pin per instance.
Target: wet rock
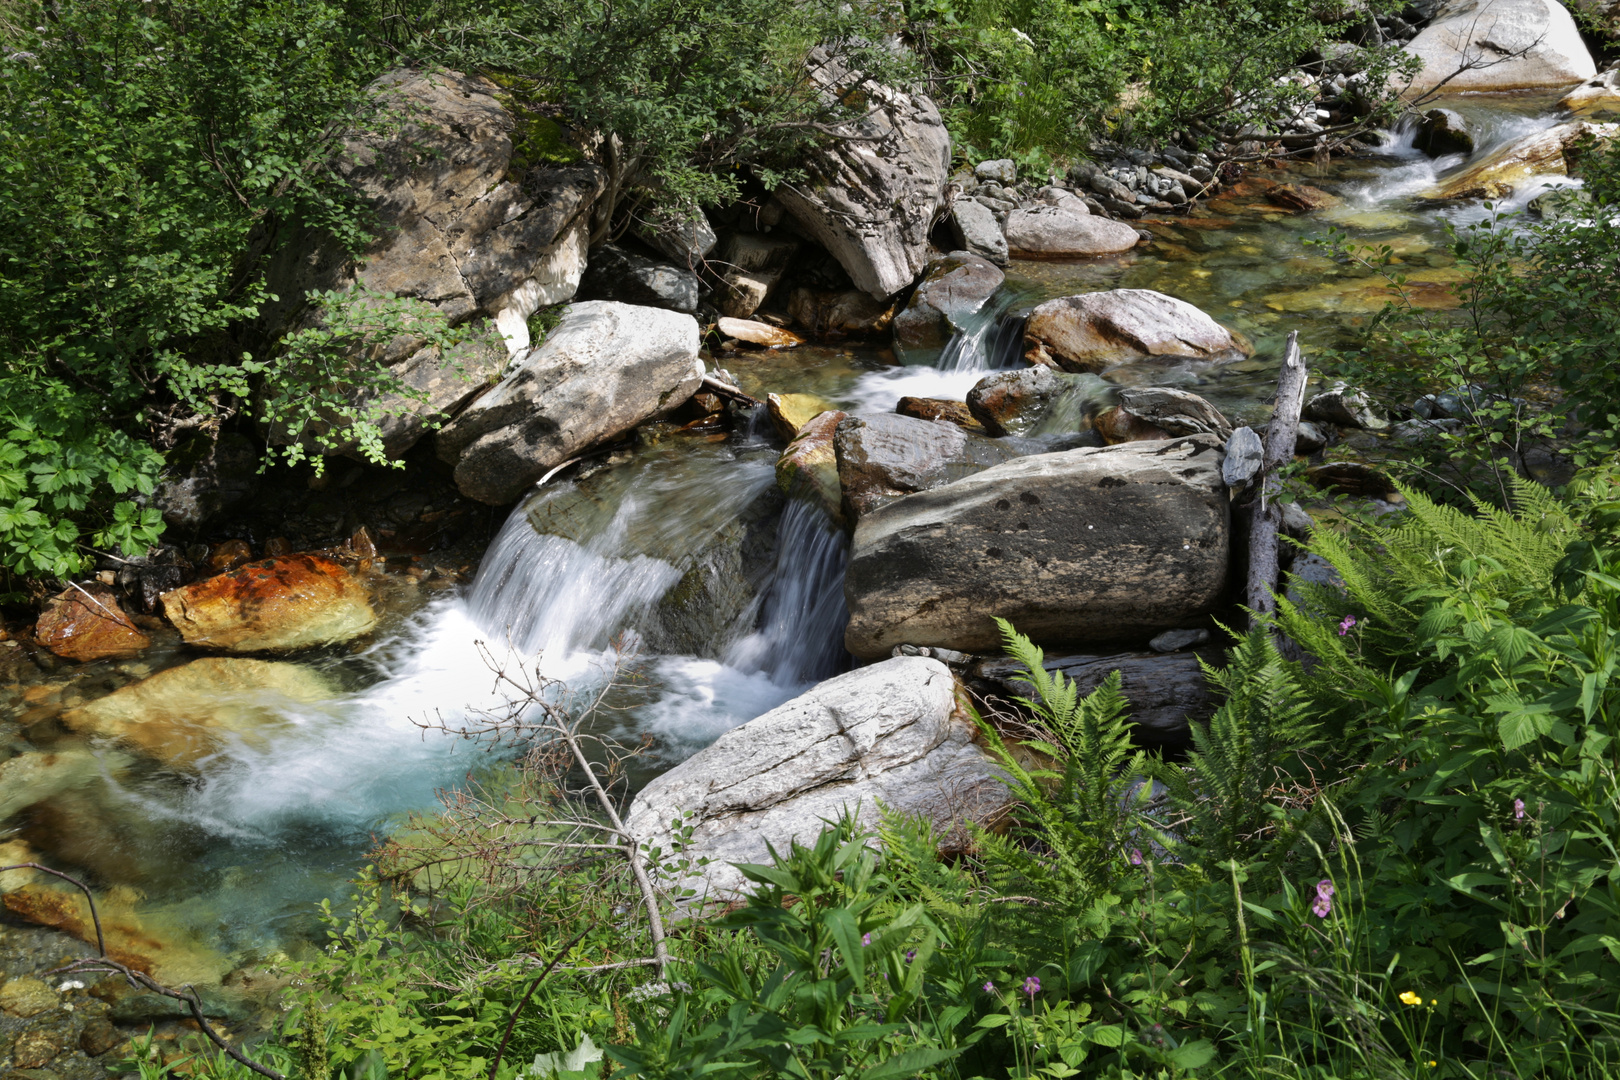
(873, 210)
(846, 312)
(34, 1050)
(1033, 401)
(1465, 32)
(1432, 289)
(759, 333)
(467, 225)
(951, 412)
(205, 478)
(790, 412)
(99, 1036)
(974, 228)
(145, 1008)
(616, 273)
(809, 466)
(1343, 407)
(1065, 231)
(1543, 153)
(1176, 640)
(184, 714)
(886, 456)
(146, 578)
(33, 778)
(1174, 412)
(892, 734)
(1597, 98)
(1166, 691)
(229, 555)
(84, 622)
(751, 266)
(274, 605)
(1117, 426)
(1097, 330)
(27, 997)
(167, 952)
(1087, 545)
(952, 287)
(603, 370)
(1301, 198)
(1443, 132)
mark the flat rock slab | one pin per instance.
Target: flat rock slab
(1541, 153)
(1093, 545)
(1486, 32)
(273, 605)
(892, 733)
(1094, 331)
(604, 369)
(184, 714)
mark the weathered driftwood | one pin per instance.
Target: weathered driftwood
(1167, 691)
(1279, 442)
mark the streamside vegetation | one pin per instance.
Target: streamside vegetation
(1392, 852)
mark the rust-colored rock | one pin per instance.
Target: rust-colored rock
(85, 623)
(274, 605)
(951, 412)
(1301, 198)
(230, 555)
(129, 940)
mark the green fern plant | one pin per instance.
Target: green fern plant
(1079, 814)
(1222, 794)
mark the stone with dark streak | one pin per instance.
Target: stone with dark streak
(1109, 544)
(273, 605)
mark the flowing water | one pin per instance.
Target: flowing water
(681, 554)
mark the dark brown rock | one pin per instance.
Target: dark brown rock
(85, 623)
(1033, 400)
(99, 1036)
(952, 412)
(886, 456)
(1301, 198)
(952, 287)
(230, 555)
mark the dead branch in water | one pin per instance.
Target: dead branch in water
(1281, 434)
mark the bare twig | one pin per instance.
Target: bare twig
(101, 943)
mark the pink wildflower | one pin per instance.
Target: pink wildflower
(1344, 627)
(1518, 809)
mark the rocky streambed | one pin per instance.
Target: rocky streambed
(214, 737)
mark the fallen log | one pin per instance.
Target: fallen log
(1281, 433)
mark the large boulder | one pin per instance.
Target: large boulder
(465, 224)
(1160, 412)
(1167, 691)
(187, 713)
(872, 201)
(1097, 330)
(885, 456)
(1065, 230)
(274, 605)
(1093, 545)
(975, 229)
(1035, 401)
(617, 273)
(84, 622)
(953, 287)
(604, 369)
(1597, 98)
(1498, 45)
(891, 735)
(1543, 153)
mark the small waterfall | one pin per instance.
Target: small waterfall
(801, 630)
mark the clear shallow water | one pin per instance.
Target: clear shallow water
(682, 553)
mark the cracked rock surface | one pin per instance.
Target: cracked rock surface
(892, 733)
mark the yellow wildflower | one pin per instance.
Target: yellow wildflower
(1410, 998)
